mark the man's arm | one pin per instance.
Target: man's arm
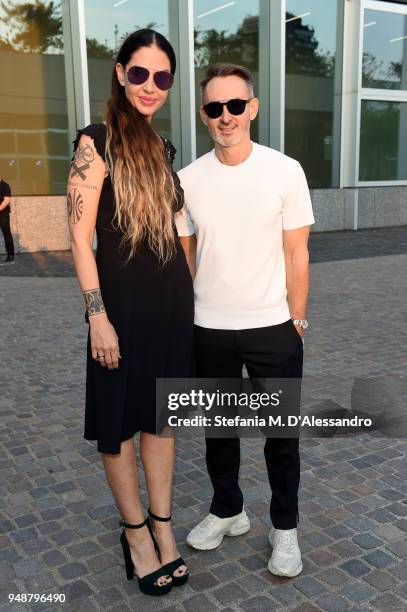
(297, 271)
(188, 243)
(187, 237)
(5, 202)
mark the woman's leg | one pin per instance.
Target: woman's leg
(121, 472)
(157, 455)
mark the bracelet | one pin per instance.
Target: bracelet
(303, 323)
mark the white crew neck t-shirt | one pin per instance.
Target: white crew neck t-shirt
(238, 214)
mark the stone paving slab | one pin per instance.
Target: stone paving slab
(58, 522)
(323, 246)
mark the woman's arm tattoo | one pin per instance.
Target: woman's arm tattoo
(75, 205)
(93, 301)
(84, 156)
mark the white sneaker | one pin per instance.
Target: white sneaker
(286, 557)
(209, 533)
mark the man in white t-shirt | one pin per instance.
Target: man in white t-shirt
(244, 229)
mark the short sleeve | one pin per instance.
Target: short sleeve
(7, 190)
(297, 207)
(169, 149)
(97, 131)
(184, 223)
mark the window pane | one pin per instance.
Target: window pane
(384, 50)
(107, 25)
(310, 70)
(34, 154)
(227, 32)
(383, 144)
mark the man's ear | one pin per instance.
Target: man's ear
(204, 116)
(120, 74)
(254, 108)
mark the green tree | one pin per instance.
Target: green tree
(211, 46)
(33, 26)
(303, 55)
(98, 50)
(5, 45)
(242, 47)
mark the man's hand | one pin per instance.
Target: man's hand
(299, 330)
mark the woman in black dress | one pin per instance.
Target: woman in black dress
(139, 297)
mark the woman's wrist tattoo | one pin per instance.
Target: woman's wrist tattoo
(93, 301)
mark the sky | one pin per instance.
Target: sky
(381, 30)
(101, 15)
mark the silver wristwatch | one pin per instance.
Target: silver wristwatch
(303, 323)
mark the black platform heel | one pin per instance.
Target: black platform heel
(146, 583)
(170, 567)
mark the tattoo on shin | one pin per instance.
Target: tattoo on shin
(75, 205)
(93, 301)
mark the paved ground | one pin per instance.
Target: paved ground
(332, 246)
(57, 517)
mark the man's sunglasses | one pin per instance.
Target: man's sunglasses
(162, 78)
(235, 107)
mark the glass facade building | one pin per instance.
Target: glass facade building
(331, 76)
(33, 103)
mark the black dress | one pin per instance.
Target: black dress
(151, 308)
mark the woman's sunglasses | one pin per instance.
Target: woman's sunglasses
(235, 107)
(162, 78)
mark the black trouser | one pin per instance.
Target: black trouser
(267, 352)
(5, 228)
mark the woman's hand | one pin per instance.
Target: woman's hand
(104, 341)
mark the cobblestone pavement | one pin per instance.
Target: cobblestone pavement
(59, 524)
(331, 246)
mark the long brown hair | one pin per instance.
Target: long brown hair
(141, 177)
